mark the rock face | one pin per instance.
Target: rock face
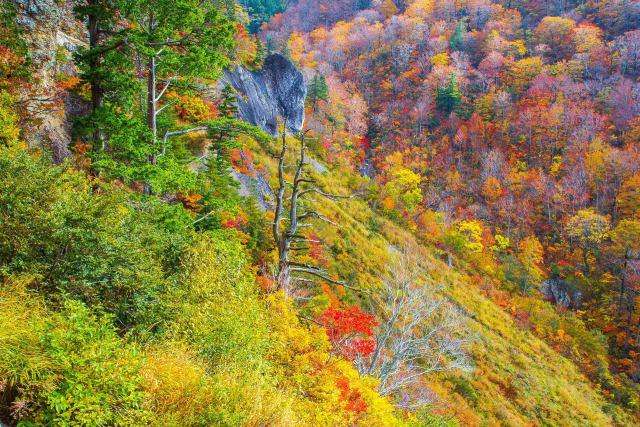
(276, 90)
(45, 26)
(561, 293)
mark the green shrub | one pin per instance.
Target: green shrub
(216, 308)
(86, 242)
(68, 368)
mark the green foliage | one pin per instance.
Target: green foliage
(261, 52)
(216, 185)
(83, 242)
(100, 381)
(317, 90)
(196, 37)
(126, 155)
(449, 95)
(516, 273)
(162, 40)
(216, 291)
(261, 11)
(67, 368)
(465, 237)
(456, 41)
(465, 389)
(427, 419)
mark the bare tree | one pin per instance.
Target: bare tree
(290, 216)
(419, 332)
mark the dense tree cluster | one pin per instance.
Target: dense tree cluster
(505, 133)
(134, 278)
(454, 240)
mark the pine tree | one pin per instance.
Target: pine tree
(261, 52)
(105, 64)
(317, 90)
(228, 106)
(261, 11)
(448, 96)
(456, 42)
(270, 45)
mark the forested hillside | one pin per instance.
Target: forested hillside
(319, 213)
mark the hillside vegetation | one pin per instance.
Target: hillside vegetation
(395, 273)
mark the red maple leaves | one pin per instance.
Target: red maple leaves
(353, 398)
(350, 331)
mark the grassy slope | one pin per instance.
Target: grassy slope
(518, 379)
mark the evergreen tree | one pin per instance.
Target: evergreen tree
(448, 96)
(105, 65)
(228, 104)
(317, 90)
(261, 52)
(261, 11)
(141, 52)
(456, 42)
(270, 45)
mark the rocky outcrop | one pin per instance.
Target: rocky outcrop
(46, 26)
(277, 90)
(560, 292)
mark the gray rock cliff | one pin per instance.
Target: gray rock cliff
(278, 89)
(561, 293)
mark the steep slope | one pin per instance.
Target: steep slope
(518, 378)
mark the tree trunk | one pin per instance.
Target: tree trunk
(97, 92)
(283, 254)
(623, 279)
(151, 114)
(151, 100)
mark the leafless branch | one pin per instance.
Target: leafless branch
(419, 332)
(167, 135)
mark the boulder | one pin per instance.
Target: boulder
(278, 89)
(561, 293)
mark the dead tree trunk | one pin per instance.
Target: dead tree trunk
(288, 238)
(279, 237)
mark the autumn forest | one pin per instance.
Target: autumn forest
(319, 213)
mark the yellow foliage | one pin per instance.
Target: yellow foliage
(403, 187)
(184, 392)
(519, 47)
(296, 46)
(531, 255)
(420, 8)
(628, 199)
(314, 377)
(472, 231)
(523, 72)
(502, 243)
(589, 227)
(441, 59)
(9, 130)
